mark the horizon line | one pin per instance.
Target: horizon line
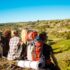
(10, 22)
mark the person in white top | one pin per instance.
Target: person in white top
(30, 47)
(15, 48)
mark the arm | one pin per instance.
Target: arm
(55, 61)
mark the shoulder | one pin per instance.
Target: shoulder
(48, 47)
(15, 37)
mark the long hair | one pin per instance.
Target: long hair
(23, 35)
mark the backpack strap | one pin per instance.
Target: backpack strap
(33, 51)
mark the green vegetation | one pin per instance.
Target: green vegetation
(62, 53)
(61, 46)
(58, 36)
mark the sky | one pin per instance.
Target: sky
(32, 10)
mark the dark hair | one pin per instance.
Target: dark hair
(43, 36)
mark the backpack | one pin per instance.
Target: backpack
(33, 50)
(37, 50)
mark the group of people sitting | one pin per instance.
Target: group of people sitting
(29, 45)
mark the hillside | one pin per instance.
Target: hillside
(58, 36)
(54, 27)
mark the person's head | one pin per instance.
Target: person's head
(43, 36)
(14, 33)
(7, 33)
(32, 35)
(23, 35)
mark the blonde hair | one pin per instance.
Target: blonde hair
(23, 35)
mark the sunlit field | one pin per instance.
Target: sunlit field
(58, 32)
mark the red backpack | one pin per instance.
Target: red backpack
(34, 49)
(37, 50)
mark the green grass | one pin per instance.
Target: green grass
(61, 46)
(62, 53)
